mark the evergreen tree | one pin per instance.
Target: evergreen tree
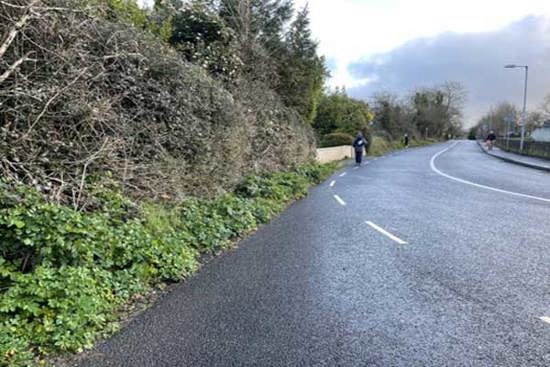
(257, 21)
(302, 71)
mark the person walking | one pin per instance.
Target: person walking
(406, 140)
(359, 143)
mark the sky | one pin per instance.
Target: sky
(398, 45)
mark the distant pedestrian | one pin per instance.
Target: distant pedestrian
(359, 143)
(406, 140)
(491, 140)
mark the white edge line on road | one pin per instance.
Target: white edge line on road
(436, 170)
(332, 183)
(386, 233)
(343, 174)
(545, 319)
(339, 199)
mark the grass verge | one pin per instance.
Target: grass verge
(381, 146)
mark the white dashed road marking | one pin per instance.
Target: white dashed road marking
(332, 183)
(339, 199)
(343, 174)
(386, 233)
(545, 319)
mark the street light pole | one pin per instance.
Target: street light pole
(524, 113)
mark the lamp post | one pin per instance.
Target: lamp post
(523, 114)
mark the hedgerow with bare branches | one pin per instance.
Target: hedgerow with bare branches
(82, 97)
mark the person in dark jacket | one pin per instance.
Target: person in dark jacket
(491, 140)
(406, 140)
(359, 143)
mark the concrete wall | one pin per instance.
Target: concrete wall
(326, 155)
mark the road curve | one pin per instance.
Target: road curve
(328, 283)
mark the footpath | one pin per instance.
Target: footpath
(531, 162)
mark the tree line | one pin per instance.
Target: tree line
(429, 112)
(271, 42)
(236, 41)
(505, 118)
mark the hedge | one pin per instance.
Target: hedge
(336, 139)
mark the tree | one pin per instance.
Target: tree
(544, 108)
(261, 21)
(339, 113)
(392, 116)
(302, 72)
(200, 35)
(438, 110)
(259, 26)
(455, 96)
(496, 119)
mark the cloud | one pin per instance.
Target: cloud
(475, 59)
(351, 29)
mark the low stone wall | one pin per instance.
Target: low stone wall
(326, 155)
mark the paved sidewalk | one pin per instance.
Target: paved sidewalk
(532, 162)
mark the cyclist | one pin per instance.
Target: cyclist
(491, 140)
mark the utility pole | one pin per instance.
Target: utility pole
(524, 113)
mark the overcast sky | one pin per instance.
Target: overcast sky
(396, 45)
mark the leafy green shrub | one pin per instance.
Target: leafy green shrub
(336, 139)
(15, 349)
(338, 112)
(60, 309)
(237, 213)
(316, 173)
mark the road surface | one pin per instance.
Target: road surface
(438, 256)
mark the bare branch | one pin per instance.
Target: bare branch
(17, 27)
(50, 101)
(13, 67)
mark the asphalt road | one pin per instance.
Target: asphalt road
(320, 286)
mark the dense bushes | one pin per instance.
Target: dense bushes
(63, 273)
(434, 112)
(380, 146)
(338, 112)
(102, 95)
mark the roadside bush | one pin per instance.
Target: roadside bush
(64, 273)
(130, 105)
(336, 139)
(380, 146)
